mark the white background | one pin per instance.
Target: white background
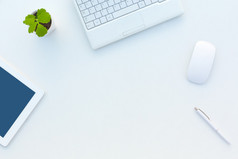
(131, 99)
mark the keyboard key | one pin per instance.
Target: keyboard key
(116, 7)
(79, 1)
(117, 1)
(110, 10)
(101, 1)
(90, 25)
(110, 3)
(109, 17)
(125, 11)
(104, 12)
(123, 4)
(104, 5)
(129, 2)
(89, 18)
(136, 1)
(98, 7)
(84, 1)
(94, 2)
(147, 2)
(141, 4)
(98, 15)
(82, 7)
(88, 4)
(92, 10)
(97, 22)
(161, 1)
(103, 20)
(154, 1)
(85, 12)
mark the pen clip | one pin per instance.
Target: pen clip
(197, 109)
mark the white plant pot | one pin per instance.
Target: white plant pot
(52, 27)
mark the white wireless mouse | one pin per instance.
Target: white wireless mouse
(201, 62)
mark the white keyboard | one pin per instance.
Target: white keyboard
(98, 12)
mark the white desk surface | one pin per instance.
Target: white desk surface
(131, 99)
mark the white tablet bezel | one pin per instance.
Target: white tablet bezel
(28, 108)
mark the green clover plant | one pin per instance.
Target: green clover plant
(36, 22)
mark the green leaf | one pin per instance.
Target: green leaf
(41, 30)
(32, 28)
(29, 20)
(43, 16)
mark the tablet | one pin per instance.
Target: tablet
(18, 97)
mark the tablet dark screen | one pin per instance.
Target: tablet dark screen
(14, 96)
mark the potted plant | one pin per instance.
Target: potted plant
(39, 22)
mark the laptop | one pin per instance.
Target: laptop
(106, 21)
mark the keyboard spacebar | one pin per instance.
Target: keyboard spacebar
(125, 11)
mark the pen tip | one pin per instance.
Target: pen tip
(195, 108)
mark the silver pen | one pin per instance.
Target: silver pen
(211, 124)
